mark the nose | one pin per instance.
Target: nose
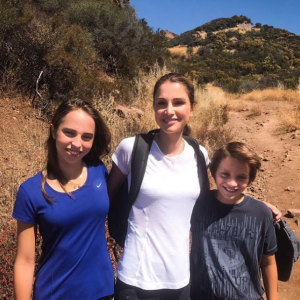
(232, 182)
(76, 141)
(169, 109)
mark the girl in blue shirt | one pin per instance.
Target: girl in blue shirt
(68, 203)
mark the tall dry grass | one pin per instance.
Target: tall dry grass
(209, 117)
(275, 94)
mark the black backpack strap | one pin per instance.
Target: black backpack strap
(204, 185)
(201, 164)
(139, 160)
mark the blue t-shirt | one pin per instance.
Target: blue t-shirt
(228, 244)
(75, 263)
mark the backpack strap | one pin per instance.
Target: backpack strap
(139, 158)
(201, 164)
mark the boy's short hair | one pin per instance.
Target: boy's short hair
(239, 151)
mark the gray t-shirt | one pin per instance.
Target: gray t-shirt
(231, 240)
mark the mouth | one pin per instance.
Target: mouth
(230, 190)
(170, 121)
(73, 153)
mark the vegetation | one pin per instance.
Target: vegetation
(100, 51)
(74, 48)
(238, 57)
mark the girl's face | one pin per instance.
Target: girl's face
(232, 177)
(74, 136)
(172, 107)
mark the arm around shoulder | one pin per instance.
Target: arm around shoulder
(270, 277)
(115, 180)
(275, 211)
(25, 261)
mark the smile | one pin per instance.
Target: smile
(170, 121)
(230, 190)
(74, 153)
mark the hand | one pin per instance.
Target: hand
(276, 212)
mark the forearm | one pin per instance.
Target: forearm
(23, 280)
(270, 279)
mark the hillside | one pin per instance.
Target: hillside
(238, 56)
(22, 139)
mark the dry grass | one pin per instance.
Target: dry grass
(276, 94)
(236, 105)
(182, 50)
(179, 50)
(210, 116)
(255, 111)
(290, 121)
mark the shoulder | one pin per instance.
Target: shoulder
(201, 148)
(259, 207)
(32, 182)
(126, 145)
(96, 166)
(205, 153)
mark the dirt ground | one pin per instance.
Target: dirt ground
(22, 135)
(279, 179)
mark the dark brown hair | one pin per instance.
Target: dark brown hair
(239, 151)
(100, 147)
(185, 81)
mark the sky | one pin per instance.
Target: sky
(179, 16)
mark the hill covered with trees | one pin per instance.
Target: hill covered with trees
(238, 56)
(60, 48)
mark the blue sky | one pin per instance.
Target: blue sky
(179, 16)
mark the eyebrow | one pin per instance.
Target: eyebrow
(162, 98)
(72, 130)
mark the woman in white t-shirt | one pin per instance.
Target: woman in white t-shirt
(155, 262)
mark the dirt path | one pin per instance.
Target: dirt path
(279, 179)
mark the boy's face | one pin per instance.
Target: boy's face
(232, 178)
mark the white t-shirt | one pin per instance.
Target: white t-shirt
(156, 252)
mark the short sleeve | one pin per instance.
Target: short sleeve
(122, 155)
(23, 209)
(205, 153)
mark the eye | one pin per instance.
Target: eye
(224, 174)
(243, 178)
(69, 132)
(160, 102)
(179, 102)
(87, 137)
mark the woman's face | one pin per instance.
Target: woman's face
(74, 136)
(172, 107)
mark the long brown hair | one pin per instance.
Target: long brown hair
(186, 82)
(100, 147)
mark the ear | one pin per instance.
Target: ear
(53, 133)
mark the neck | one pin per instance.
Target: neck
(230, 202)
(170, 144)
(73, 171)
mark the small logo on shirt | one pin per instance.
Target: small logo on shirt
(98, 185)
